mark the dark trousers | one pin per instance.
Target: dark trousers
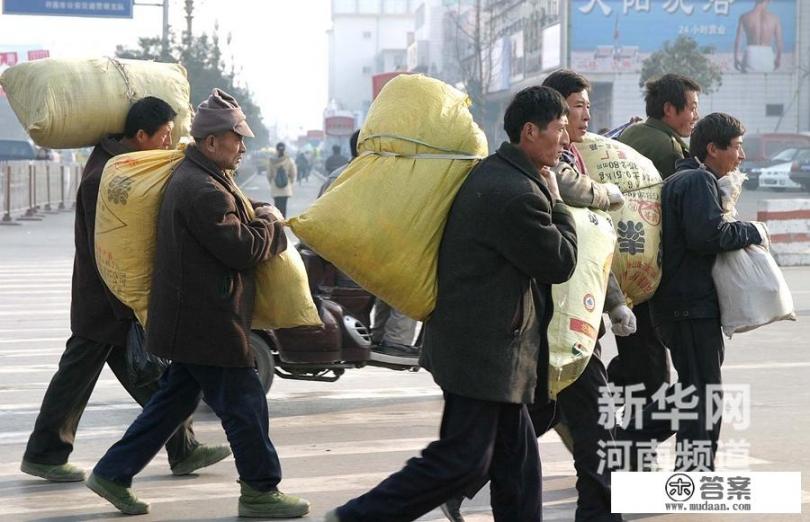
(577, 409)
(280, 203)
(237, 398)
(642, 356)
(51, 442)
(697, 350)
(478, 440)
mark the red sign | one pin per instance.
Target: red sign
(315, 134)
(338, 125)
(9, 59)
(378, 81)
(38, 54)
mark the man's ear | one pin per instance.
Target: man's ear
(670, 110)
(141, 136)
(711, 150)
(528, 131)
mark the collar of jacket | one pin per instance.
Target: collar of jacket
(113, 145)
(515, 157)
(694, 164)
(663, 127)
(194, 155)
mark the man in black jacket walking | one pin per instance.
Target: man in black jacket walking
(685, 307)
(508, 237)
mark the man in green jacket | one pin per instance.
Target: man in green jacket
(672, 112)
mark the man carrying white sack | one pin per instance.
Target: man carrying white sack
(200, 309)
(685, 308)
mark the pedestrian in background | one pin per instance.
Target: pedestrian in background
(281, 175)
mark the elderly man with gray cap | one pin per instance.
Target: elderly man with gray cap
(203, 289)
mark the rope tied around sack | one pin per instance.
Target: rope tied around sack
(448, 154)
(131, 94)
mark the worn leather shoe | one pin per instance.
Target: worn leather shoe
(200, 457)
(119, 496)
(54, 472)
(270, 504)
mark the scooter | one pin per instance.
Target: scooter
(322, 353)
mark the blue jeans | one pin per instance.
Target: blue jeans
(234, 394)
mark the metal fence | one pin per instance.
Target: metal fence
(29, 190)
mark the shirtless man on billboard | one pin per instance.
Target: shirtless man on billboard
(763, 33)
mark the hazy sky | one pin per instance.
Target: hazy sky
(279, 46)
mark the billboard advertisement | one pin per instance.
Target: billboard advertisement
(747, 36)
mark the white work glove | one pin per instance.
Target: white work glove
(615, 196)
(622, 320)
(763, 233)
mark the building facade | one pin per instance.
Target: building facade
(367, 37)
(766, 84)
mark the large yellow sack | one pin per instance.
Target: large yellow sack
(637, 262)
(71, 103)
(129, 200)
(574, 327)
(382, 221)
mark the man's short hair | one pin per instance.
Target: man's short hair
(148, 114)
(567, 82)
(670, 88)
(539, 105)
(353, 143)
(718, 128)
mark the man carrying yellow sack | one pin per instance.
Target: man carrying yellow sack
(99, 324)
(508, 237)
(203, 291)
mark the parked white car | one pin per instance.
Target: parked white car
(777, 177)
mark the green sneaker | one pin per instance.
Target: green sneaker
(201, 457)
(54, 472)
(119, 496)
(270, 504)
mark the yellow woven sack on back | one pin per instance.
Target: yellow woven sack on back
(129, 199)
(382, 220)
(578, 303)
(71, 103)
(128, 203)
(283, 298)
(637, 261)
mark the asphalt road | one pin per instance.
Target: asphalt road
(335, 440)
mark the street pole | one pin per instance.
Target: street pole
(165, 37)
(165, 28)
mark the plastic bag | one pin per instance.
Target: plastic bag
(751, 289)
(142, 367)
(578, 303)
(637, 261)
(382, 220)
(71, 103)
(129, 198)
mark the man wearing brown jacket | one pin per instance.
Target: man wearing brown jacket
(99, 324)
(200, 309)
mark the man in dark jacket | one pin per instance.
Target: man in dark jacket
(200, 310)
(672, 111)
(508, 238)
(685, 308)
(335, 160)
(99, 324)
